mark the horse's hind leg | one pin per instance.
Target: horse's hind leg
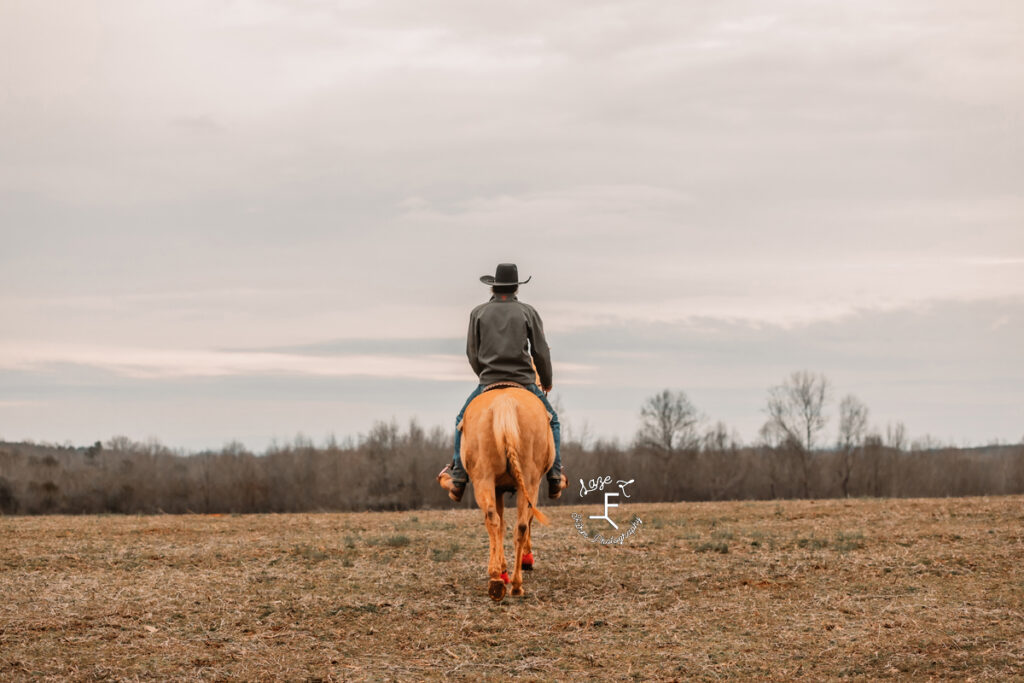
(524, 517)
(492, 520)
(499, 504)
(528, 549)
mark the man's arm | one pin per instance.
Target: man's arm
(473, 345)
(539, 349)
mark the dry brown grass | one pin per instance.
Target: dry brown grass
(865, 589)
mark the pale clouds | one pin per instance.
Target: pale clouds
(156, 363)
(908, 365)
(173, 363)
(833, 99)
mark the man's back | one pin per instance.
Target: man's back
(504, 334)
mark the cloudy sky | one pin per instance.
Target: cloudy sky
(245, 220)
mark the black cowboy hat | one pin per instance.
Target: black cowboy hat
(505, 275)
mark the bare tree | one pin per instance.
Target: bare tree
(724, 469)
(853, 425)
(796, 408)
(796, 417)
(927, 443)
(873, 454)
(669, 424)
(896, 436)
(720, 438)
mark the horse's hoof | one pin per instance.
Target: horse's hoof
(527, 563)
(517, 591)
(496, 590)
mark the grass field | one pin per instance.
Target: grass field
(861, 589)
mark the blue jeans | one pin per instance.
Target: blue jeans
(459, 473)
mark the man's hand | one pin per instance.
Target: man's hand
(546, 390)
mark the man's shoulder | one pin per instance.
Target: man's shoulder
(530, 309)
(477, 309)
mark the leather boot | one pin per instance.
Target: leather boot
(556, 486)
(454, 487)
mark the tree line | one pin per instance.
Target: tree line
(676, 455)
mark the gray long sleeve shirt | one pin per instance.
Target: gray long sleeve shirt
(504, 334)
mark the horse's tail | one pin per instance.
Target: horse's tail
(506, 436)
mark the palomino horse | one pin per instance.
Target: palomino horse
(507, 445)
